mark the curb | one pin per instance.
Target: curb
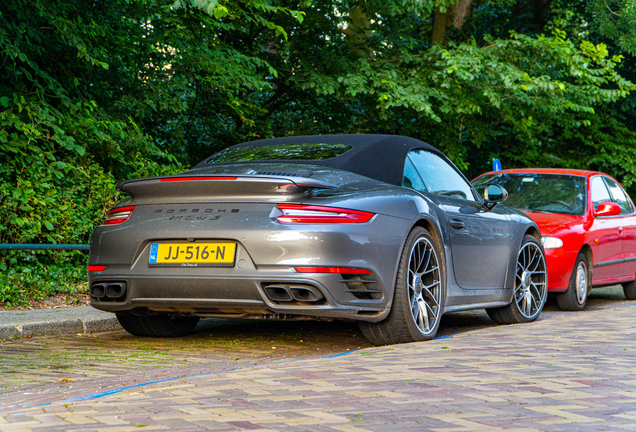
(45, 322)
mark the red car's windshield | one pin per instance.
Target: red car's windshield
(552, 193)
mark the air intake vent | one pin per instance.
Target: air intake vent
(275, 174)
(362, 286)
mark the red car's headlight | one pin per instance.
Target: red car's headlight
(118, 215)
(310, 214)
(551, 242)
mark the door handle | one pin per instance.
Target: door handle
(620, 230)
(457, 224)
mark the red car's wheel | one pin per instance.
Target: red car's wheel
(575, 297)
(629, 289)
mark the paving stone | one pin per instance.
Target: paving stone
(567, 372)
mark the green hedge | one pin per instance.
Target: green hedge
(34, 275)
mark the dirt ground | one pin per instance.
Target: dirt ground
(56, 301)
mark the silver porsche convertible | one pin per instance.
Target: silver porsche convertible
(378, 229)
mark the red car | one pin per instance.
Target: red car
(588, 224)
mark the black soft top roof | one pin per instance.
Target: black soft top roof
(380, 157)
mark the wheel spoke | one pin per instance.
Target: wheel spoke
(536, 289)
(430, 309)
(428, 287)
(430, 271)
(420, 318)
(413, 301)
(539, 262)
(422, 254)
(520, 298)
(424, 315)
(426, 292)
(520, 267)
(536, 305)
(428, 260)
(534, 255)
(528, 302)
(416, 257)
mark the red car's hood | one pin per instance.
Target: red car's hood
(553, 223)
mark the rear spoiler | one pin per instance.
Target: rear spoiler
(198, 187)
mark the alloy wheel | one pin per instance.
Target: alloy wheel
(531, 281)
(581, 282)
(424, 285)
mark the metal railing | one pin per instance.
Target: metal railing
(10, 246)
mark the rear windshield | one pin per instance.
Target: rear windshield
(314, 151)
(551, 193)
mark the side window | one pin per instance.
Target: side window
(619, 196)
(440, 177)
(412, 179)
(599, 192)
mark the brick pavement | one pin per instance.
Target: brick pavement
(573, 371)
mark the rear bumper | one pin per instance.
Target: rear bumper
(243, 295)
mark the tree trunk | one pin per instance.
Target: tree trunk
(358, 30)
(462, 11)
(456, 16)
(440, 22)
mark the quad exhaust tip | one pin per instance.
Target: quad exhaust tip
(294, 293)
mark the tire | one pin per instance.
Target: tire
(575, 297)
(418, 297)
(157, 325)
(629, 289)
(530, 289)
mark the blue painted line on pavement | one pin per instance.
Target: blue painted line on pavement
(341, 354)
(121, 389)
(443, 337)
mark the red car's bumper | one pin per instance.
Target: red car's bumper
(560, 266)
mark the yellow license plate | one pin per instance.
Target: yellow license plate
(220, 254)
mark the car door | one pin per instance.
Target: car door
(626, 228)
(480, 239)
(608, 235)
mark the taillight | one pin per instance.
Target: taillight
(200, 178)
(310, 214)
(118, 215)
(332, 270)
(96, 268)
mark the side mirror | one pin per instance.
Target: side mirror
(607, 208)
(494, 194)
